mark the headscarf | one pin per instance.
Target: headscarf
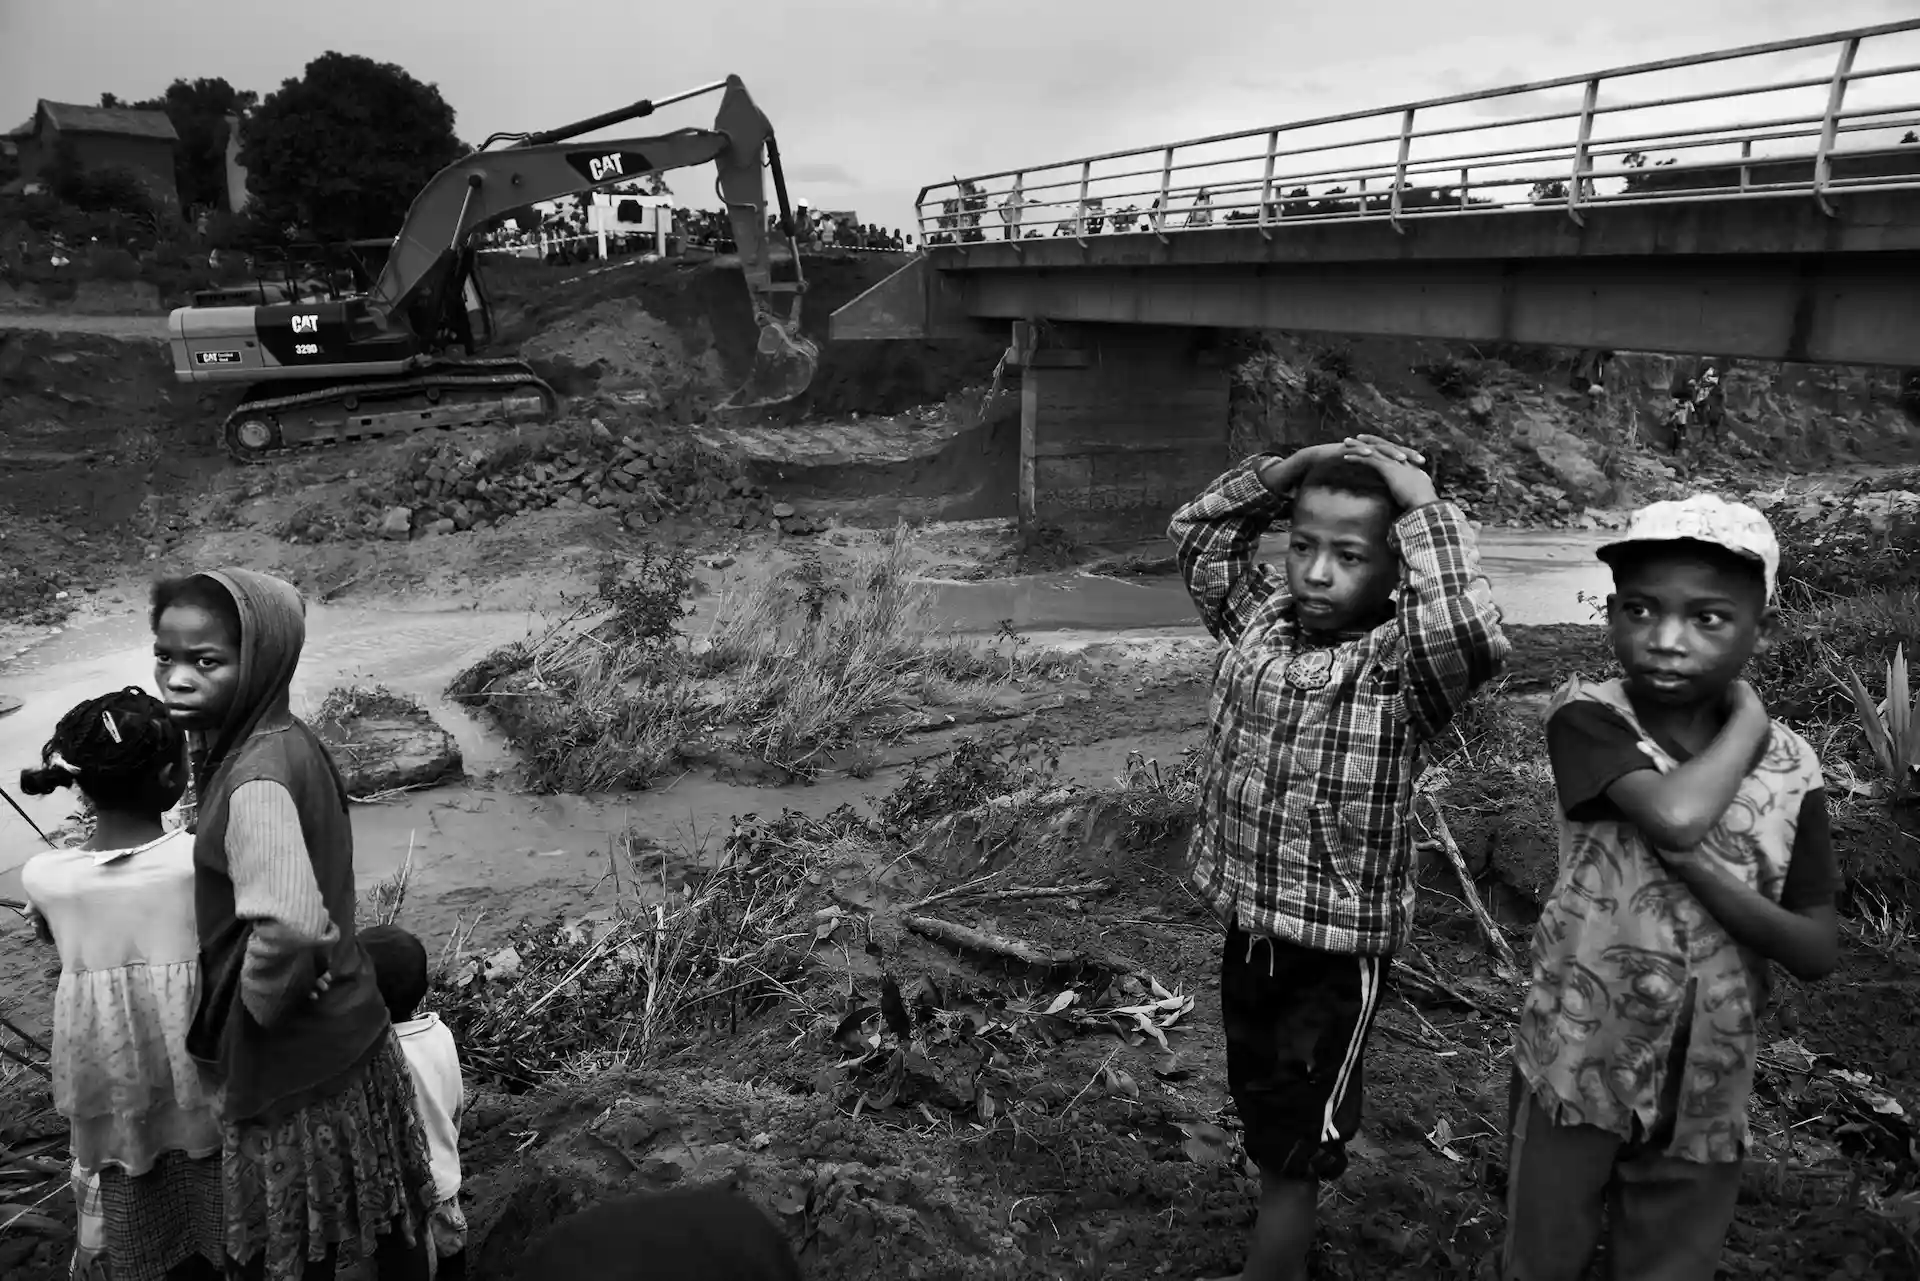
(273, 630)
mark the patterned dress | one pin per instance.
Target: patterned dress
(1626, 962)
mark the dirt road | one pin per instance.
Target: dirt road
(103, 326)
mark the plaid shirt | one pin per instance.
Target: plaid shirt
(1312, 742)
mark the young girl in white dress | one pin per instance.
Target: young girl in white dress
(120, 910)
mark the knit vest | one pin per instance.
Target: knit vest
(268, 1072)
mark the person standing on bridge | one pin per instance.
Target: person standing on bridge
(1326, 688)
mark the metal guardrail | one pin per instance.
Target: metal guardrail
(1822, 115)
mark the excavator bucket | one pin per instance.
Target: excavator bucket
(784, 362)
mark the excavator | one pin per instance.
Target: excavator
(403, 356)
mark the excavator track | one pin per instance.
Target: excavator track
(444, 396)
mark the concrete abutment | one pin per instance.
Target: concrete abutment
(1119, 425)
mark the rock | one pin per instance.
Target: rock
(1565, 456)
(8, 704)
(445, 525)
(382, 741)
(599, 429)
(397, 523)
(782, 512)
(1480, 408)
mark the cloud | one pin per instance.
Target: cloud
(823, 173)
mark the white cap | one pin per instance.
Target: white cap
(1705, 518)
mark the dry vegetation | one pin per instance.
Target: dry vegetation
(798, 668)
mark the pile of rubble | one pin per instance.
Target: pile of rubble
(643, 480)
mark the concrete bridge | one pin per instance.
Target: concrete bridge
(1761, 202)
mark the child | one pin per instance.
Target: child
(323, 1156)
(1694, 848)
(1324, 690)
(400, 970)
(694, 1234)
(145, 1131)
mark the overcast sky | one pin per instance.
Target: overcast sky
(873, 99)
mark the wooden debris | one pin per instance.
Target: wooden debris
(1015, 892)
(1496, 939)
(966, 939)
(972, 940)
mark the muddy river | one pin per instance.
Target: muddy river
(479, 842)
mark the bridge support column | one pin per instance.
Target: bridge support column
(1119, 425)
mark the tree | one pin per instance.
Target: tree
(343, 150)
(199, 110)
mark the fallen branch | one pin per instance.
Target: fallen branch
(25, 1062)
(967, 939)
(971, 940)
(24, 1035)
(32, 1164)
(1497, 940)
(1018, 892)
(1409, 973)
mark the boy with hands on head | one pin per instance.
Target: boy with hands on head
(1333, 672)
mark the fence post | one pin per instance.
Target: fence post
(1830, 124)
(1581, 163)
(1166, 190)
(1746, 171)
(1080, 210)
(1266, 185)
(1400, 170)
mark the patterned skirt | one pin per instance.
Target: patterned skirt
(154, 1222)
(337, 1175)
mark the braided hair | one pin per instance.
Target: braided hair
(114, 748)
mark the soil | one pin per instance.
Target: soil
(1031, 1145)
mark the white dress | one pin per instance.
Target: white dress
(123, 921)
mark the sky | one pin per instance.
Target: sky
(874, 99)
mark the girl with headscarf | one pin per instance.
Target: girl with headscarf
(324, 1158)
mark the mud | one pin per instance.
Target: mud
(706, 305)
(1043, 1149)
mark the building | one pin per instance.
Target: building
(141, 142)
(237, 193)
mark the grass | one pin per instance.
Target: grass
(798, 667)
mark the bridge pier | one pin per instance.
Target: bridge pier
(1119, 425)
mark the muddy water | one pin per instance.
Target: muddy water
(1537, 579)
(484, 846)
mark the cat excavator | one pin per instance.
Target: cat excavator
(404, 356)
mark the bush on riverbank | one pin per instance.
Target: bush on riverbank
(797, 665)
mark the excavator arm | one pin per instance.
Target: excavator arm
(421, 272)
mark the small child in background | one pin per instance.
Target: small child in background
(400, 971)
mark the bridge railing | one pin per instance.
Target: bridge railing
(1819, 116)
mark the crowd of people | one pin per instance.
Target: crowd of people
(712, 229)
(252, 1087)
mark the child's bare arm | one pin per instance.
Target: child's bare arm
(1806, 942)
(1676, 810)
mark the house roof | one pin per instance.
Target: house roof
(70, 118)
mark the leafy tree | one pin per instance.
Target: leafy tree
(199, 110)
(343, 150)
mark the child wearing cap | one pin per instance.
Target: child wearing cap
(1694, 850)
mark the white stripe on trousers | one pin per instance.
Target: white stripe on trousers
(1369, 996)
